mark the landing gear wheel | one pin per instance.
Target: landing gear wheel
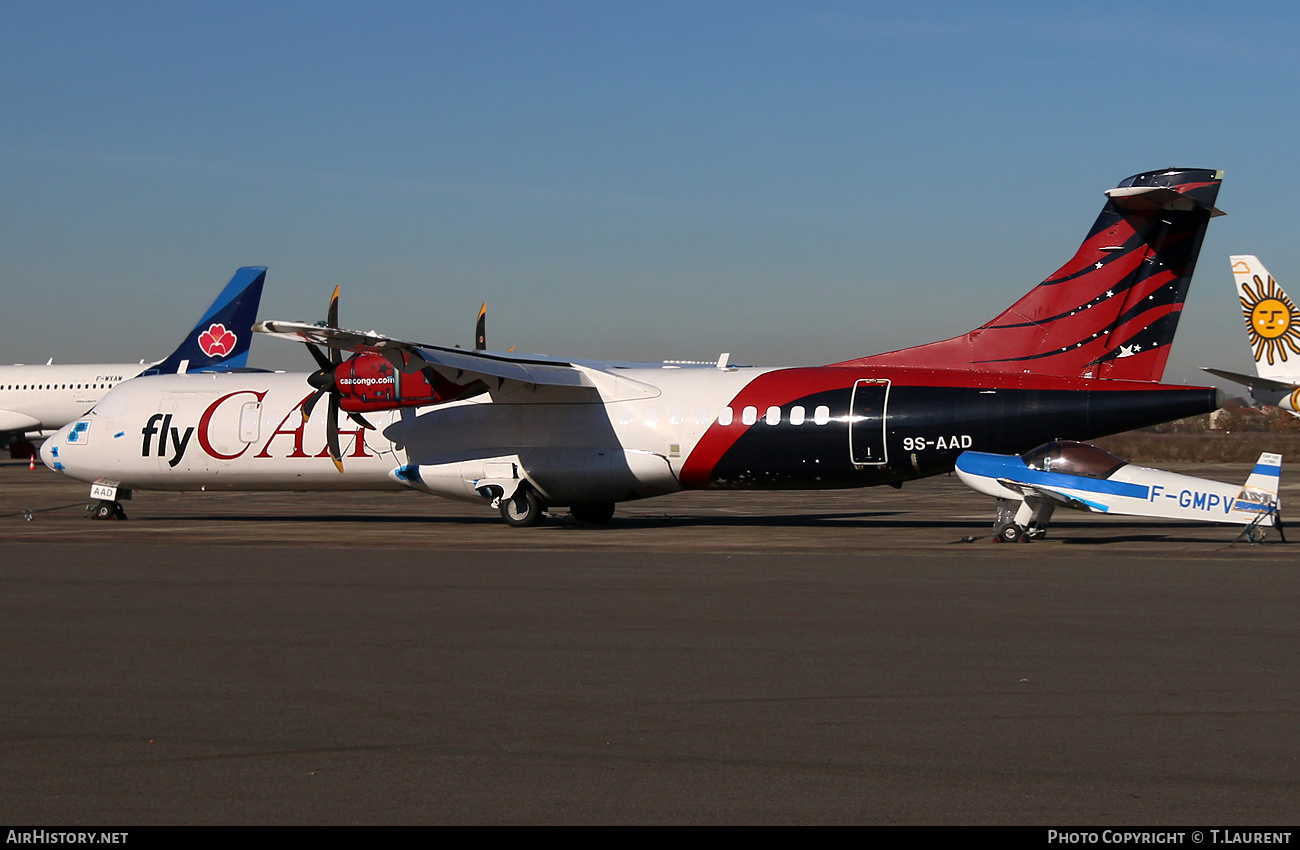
(1010, 533)
(524, 510)
(107, 510)
(598, 513)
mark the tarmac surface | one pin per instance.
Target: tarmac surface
(791, 657)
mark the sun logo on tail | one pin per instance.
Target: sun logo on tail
(1274, 322)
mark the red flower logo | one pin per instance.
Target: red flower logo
(216, 341)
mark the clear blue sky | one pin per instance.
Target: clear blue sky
(796, 183)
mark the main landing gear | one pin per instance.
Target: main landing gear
(1022, 521)
(1012, 533)
(526, 509)
(100, 509)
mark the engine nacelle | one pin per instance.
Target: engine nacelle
(369, 382)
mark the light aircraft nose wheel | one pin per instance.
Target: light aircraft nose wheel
(524, 510)
(1010, 533)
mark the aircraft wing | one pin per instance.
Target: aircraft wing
(1252, 381)
(453, 363)
(1054, 495)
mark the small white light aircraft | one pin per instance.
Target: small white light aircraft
(1273, 328)
(1031, 486)
(39, 399)
(1081, 355)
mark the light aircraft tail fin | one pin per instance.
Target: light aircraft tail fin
(219, 341)
(1260, 493)
(1112, 310)
(1272, 320)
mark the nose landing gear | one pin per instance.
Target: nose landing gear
(101, 509)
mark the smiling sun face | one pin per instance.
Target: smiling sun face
(1274, 321)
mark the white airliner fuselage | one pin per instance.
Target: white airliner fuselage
(45, 398)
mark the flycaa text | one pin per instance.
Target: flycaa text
(172, 441)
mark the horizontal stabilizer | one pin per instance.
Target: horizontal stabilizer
(1158, 198)
(1253, 381)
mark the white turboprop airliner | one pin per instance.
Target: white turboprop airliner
(1273, 328)
(1079, 356)
(40, 399)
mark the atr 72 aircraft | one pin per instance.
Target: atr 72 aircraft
(1078, 357)
(1273, 327)
(42, 398)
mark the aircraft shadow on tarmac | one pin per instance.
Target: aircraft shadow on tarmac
(1079, 533)
(562, 519)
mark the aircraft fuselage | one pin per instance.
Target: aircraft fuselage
(44, 397)
(646, 431)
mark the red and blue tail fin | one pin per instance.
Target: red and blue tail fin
(1112, 310)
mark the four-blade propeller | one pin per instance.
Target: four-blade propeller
(326, 383)
(325, 379)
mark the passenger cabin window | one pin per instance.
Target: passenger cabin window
(724, 416)
(821, 415)
(749, 416)
(773, 416)
(1073, 458)
(796, 415)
